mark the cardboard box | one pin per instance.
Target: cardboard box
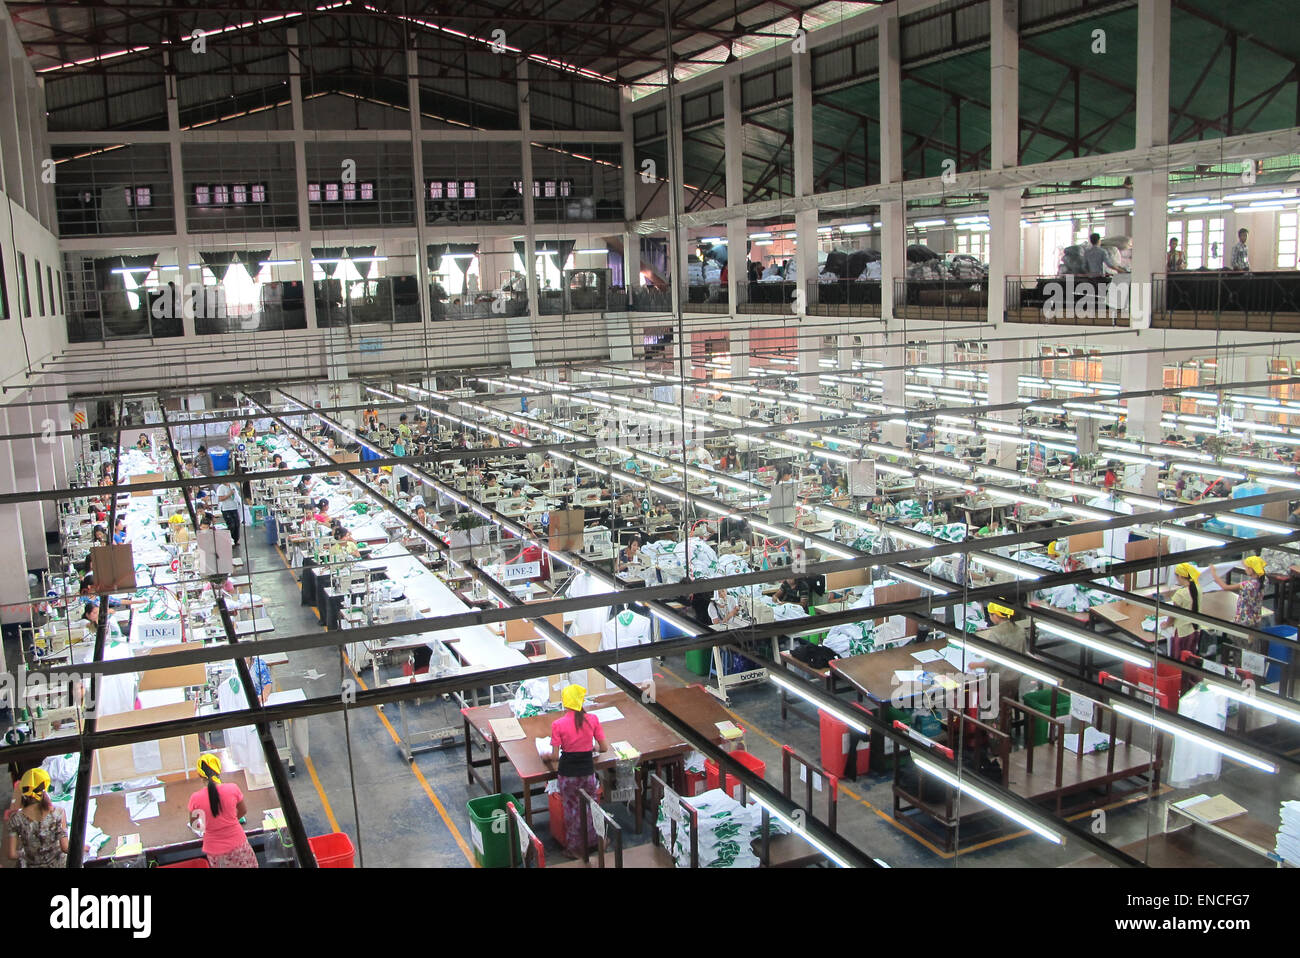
(113, 567)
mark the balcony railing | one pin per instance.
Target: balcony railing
(844, 297)
(942, 299)
(1215, 300)
(1074, 300)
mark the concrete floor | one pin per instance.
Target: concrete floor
(415, 815)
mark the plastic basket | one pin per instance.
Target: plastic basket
(835, 746)
(1041, 701)
(491, 841)
(189, 863)
(1166, 680)
(747, 759)
(333, 850)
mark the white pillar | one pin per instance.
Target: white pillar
(738, 340)
(891, 113)
(23, 452)
(530, 219)
(1004, 204)
(892, 351)
(1004, 249)
(417, 184)
(1004, 387)
(1153, 74)
(300, 175)
(809, 346)
(631, 173)
(1138, 372)
(733, 137)
(184, 253)
(893, 254)
(1150, 223)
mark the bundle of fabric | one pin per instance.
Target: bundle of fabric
(725, 831)
(854, 638)
(783, 611)
(917, 253)
(966, 267)
(1288, 833)
(910, 509)
(948, 531)
(927, 269)
(970, 617)
(532, 697)
(870, 272)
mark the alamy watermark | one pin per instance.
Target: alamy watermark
(1070, 298)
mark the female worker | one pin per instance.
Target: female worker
(38, 832)
(1250, 591)
(575, 738)
(1187, 596)
(215, 812)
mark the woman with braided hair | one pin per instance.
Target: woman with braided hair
(216, 813)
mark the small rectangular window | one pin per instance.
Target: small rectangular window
(469, 189)
(550, 189)
(24, 291)
(239, 193)
(4, 291)
(435, 189)
(202, 195)
(313, 192)
(129, 195)
(537, 188)
(367, 191)
(49, 281)
(453, 189)
(566, 187)
(259, 193)
(331, 192)
(40, 291)
(221, 195)
(519, 187)
(58, 274)
(349, 191)
(143, 196)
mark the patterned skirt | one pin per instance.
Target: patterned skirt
(571, 798)
(241, 857)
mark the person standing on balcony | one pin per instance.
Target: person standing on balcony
(1175, 260)
(1240, 254)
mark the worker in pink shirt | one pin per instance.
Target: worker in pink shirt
(576, 738)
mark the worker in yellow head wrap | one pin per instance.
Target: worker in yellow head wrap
(38, 832)
(1011, 637)
(1186, 596)
(576, 738)
(1250, 591)
(217, 813)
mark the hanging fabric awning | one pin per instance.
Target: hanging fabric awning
(219, 262)
(330, 255)
(364, 253)
(459, 252)
(252, 260)
(559, 249)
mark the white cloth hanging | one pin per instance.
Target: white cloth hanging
(1192, 763)
(243, 743)
(624, 631)
(116, 692)
(587, 621)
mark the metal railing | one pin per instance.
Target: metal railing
(653, 299)
(1074, 300)
(844, 297)
(1215, 299)
(944, 299)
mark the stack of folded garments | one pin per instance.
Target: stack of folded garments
(1288, 833)
(725, 831)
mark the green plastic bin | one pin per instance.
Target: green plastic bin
(919, 720)
(491, 845)
(700, 661)
(1041, 700)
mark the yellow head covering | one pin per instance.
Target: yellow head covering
(573, 696)
(35, 782)
(177, 519)
(1187, 571)
(210, 768)
(996, 609)
(1254, 563)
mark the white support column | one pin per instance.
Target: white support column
(1150, 223)
(891, 112)
(23, 452)
(1004, 387)
(417, 183)
(631, 174)
(1153, 74)
(893, 254)
(184, 252)
(738, 343)
(13, 558)
(809, 346)
(805, 222)
(46, 421)
(1143, 371)
(892, 351)
(519, 329)
(300, 175)
(733, 136)
(1004, 204)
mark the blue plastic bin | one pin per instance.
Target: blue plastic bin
(220, 458)
(1279, 650)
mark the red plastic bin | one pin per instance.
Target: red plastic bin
(835, 747)
(747, 759)
(1166, 681)
(333, 850)
(556, 806)
(695, 783)
(189, 863)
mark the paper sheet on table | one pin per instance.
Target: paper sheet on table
(904, 676)
(957, 656)
(506, 729)
(1254, 662)
(1211, 809)
(147, 756)
(144, 803)
(1093, 740)
(626, 751)
(610, 714)
(927, 655)
(729, 730)
(273, 818)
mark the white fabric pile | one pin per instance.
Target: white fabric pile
(1288, 833)
(726, 829)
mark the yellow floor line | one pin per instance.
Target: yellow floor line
(428, 789)
(320, 790)
(415, 769)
